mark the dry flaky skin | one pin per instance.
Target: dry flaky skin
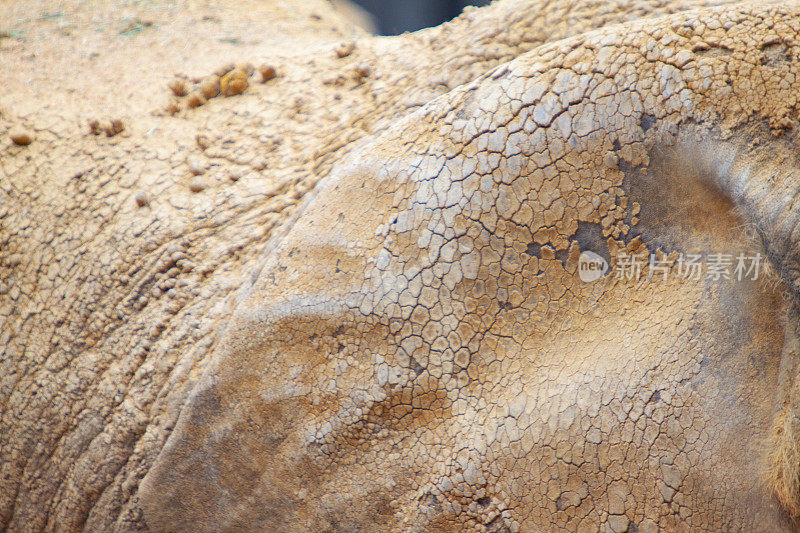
(412, 349)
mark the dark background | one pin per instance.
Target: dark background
(396, 16)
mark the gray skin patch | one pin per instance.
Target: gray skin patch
(590, 239)
(680, 204)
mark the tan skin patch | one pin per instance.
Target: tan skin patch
(378, 323)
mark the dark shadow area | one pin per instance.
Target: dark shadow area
(397, 16)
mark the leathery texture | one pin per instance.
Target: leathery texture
(373, 320)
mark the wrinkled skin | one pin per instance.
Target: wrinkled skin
(379, 325)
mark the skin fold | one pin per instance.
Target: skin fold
(351, 301)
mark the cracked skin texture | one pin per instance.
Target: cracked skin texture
(378, 326)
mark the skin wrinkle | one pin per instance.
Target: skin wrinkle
(381, 410)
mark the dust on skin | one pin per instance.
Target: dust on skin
(368, 317)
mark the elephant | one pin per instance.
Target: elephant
(535, 269)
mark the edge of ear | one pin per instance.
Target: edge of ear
(782, 475)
